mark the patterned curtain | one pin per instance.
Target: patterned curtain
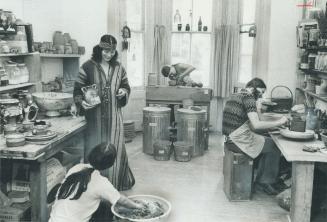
(226, 46)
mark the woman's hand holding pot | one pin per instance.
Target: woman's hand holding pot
(87, 106)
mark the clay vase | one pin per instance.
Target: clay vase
(74, 44)
(58, 38)
(66, 37)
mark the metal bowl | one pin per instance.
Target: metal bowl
(52, 102)
(166, 206)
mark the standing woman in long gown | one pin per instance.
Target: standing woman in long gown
(104, 121)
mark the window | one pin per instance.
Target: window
(246, 49)
(135, 52)
(193, 46)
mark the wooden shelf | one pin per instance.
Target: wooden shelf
(60, 55)
(192, 32)
(12, 87)
(16, 54)
(320, 97)
(314, 71)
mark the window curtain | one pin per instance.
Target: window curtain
(158, 29)
(226, 46)
(160, 52)
(261, 46)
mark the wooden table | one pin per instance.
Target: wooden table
(303, 164)
(174, 95)
(35, 155)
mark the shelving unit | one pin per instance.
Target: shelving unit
(60, 55)
(4, 89)
(319, 97)
(32, 61)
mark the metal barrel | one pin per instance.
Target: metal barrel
(156, 122)
(192, 129)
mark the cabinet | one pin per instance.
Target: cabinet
(64, 66)
(32, 61)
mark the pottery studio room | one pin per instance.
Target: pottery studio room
(163, 110)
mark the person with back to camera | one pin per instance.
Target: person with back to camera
(105, 120)
(240, 120)
(179, 74)
(83, 188)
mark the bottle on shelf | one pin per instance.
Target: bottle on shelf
(24, 73)
(200, 24)
(177, 17)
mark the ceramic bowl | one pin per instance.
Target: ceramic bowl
(149, 198)
(13, 140)
(52, 102)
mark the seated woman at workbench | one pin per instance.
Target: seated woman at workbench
(240, 120)
(82, 190)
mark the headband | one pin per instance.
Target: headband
(106, 45)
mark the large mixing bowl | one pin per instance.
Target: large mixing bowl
(151, 198)
(52, 102)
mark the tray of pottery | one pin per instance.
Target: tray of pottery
(49, 135)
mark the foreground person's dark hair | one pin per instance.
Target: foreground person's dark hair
(101, 157)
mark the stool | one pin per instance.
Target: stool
(238, 173)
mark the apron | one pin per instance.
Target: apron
(248, 141)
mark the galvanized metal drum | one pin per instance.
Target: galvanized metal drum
(192, 129)
(156, 122)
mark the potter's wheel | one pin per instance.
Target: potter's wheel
(40, 138)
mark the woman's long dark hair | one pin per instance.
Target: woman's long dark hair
(101, 157)
(80, 179)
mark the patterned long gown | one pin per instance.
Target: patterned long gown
(105, 122)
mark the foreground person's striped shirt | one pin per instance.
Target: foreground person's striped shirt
(236, 109)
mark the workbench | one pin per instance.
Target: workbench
(174, 95)
(303, 164)
(68, 130)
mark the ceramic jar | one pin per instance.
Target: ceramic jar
(68, 48)
(24, 73)
(58, 38)
(311, 119)
(74, 45)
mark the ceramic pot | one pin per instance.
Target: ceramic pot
(74, 45)
(68, 48)
(66, 37)
(81, 50)
(17, 139)
(91, 94)
(58, 38)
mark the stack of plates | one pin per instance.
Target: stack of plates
(129, 130)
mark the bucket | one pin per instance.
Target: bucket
(183, 151)
(162, 150)
(192, 128)
(156, 122)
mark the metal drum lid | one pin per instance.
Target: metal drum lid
(191, 112)
(156, 109)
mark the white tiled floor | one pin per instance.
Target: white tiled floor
(195, 188)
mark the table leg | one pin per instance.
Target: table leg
(302, 185)
(38, 183)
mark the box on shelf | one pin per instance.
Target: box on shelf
(15, 212)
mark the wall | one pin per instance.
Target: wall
(282, 44)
